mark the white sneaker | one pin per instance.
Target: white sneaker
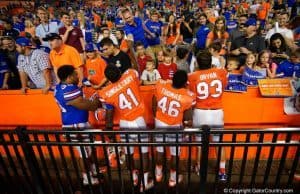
(148, 185)
(158, 173)
(94, 181)
(135, 177)
(122, 156)
(173, 176)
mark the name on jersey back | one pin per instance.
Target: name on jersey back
(171, 94)
(119, 86)
(208, 76)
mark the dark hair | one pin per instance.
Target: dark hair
(65, 71)
(202, 15)
(281, 38)
(216, 46)
(64, 13)
(107, 42)
(232, 58)
(243, 15)
(138, 43)
(120, 30)
(181, 52)
(204, 60)
(296, 53)
(179, 79)
(112, 73)
(270, 57)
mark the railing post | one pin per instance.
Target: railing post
(204, 158)
(31, 160)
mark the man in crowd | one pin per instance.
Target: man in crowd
(250, 42)
(62, 54)
(114, 56)
(10, 54)
(71, 35)
(35, 64)
(45, 27)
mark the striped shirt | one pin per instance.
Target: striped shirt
(34, 65)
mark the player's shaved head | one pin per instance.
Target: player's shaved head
(65, 71)
(179, 79)
(204, 60)
(112, 73)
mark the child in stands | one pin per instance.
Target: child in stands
(167, 68)
(150, 75)
(265, 61)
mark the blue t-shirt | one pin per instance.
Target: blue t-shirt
(137, 31)
(88, 34)
(154, 27)
(70, 115)
(231, 25)
(201, 36)
(19, 26)
(288, 68)
(3, 68)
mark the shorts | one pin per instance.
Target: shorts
(212, 118)
(80, 137)
(78, 127)
(168, 137)
(137, 124)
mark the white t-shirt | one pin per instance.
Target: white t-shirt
(42, 30)
(283, 31)
(150, 76)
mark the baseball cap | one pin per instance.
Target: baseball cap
(23, 41)
(250, 22)
(90, 47)
(51, 36)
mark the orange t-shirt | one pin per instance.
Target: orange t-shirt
(223, 40)
(124, 45)
(95, 70)
(171, 102)
(125, 96)
(209, 86)
(263, 11)
(66, 56)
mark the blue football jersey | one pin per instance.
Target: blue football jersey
(70, 115)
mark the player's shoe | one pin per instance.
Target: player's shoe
(111, 153)
(94, 181)
(122, 156)
(135, 177)
(172, 179)
(158, 173)
(148, 185)
(222, 176)
(197, 169)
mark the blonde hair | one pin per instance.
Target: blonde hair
(28, 23)
(81, 19)
(256, 59)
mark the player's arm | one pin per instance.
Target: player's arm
(188, 117)
(48, 80)
(84, 104)
(24, 79)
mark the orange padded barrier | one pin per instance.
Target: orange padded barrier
(242, 110)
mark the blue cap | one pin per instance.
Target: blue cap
(23, 41)
(251, 22)
(90, 47)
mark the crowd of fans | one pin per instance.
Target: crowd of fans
(157, 38)
(75, 44)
